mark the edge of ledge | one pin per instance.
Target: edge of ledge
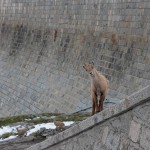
(125, 105)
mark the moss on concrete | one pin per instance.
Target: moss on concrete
(13, 119)
(6, 135)
(73, 117)
(43, 118)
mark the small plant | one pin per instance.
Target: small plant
(13, 119)
(49, 114)
(6, 135)
(73, 117)
(37, 121)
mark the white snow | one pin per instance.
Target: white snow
(47, 126)
(68, 123)
(9, 138)
(52, 117)
(8, 129)
(38, 126)
(28, 119)
(36, 118)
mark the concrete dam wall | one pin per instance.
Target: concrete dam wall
(44, 44)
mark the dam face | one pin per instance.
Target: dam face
(44, 44)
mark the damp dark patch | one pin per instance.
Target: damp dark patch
(3, 28)
(64, 43)
(37, 36)
(129, 55)
(114, 38)
(17, 39)
(43, 44)
(55, 35)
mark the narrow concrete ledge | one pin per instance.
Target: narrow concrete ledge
(127, 104)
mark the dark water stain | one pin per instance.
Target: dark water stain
(55, 35)
(17, 39)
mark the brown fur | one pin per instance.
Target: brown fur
(99, 87)
(59, 124)
(22, 132)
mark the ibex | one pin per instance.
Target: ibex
(99, 87)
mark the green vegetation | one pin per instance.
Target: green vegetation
(73, 117)
(40, 118)
(13, 119)
(49, 114)
(37, 121)
(6, 135)
(43, 118)
(38, 135)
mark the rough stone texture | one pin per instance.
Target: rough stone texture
(134, 131)
(20, 143)
(125, 126)
(44, 43)
(25, 142)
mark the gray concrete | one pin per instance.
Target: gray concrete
(125, 126)
(44, 43)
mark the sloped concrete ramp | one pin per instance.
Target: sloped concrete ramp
(44, 44)
(122, 127)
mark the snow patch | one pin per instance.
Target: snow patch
(8, 129)
(9, 138)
